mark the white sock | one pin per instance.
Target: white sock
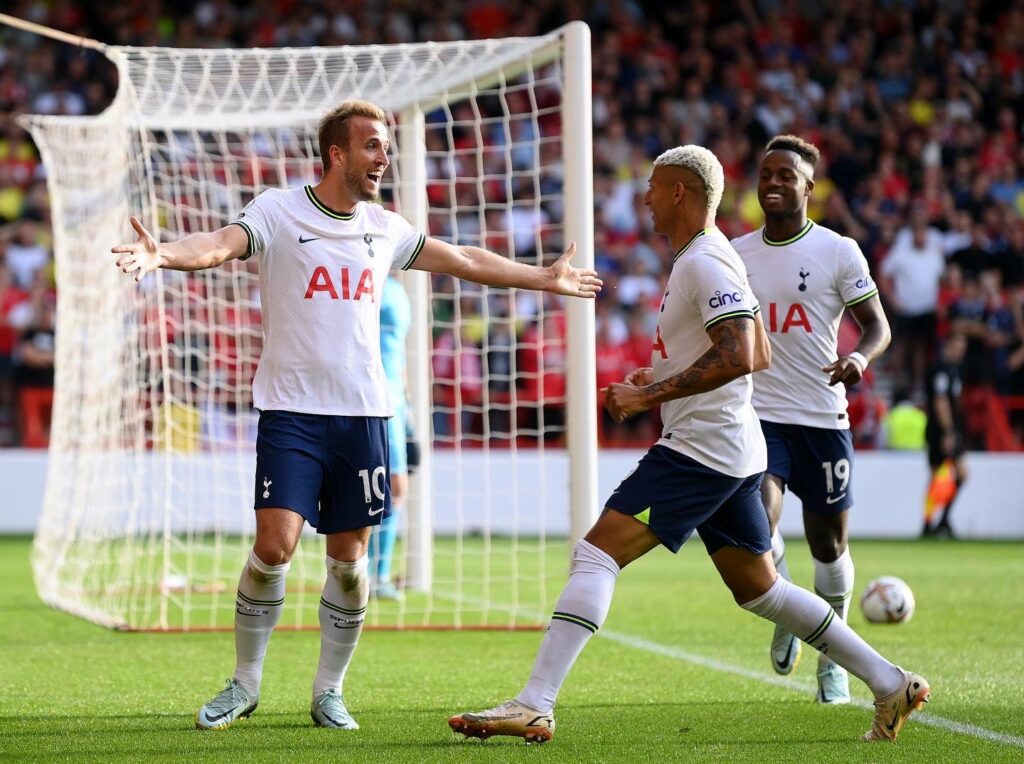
(779, 554)
(258, 607)
(342, 612)
(833, 582)
(580, 612)
(810, 618)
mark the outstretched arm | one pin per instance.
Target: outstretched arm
(732, 354)
(874, 339)
(485, 267)
(192, 253)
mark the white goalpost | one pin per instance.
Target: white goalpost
(148, 507)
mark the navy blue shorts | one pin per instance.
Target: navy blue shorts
(332, 470)
(673, 494)
(814, 462)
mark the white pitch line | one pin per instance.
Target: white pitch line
(678, 654)
(791, 684)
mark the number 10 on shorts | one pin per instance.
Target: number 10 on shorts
(374, 482)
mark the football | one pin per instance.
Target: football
(887, 600)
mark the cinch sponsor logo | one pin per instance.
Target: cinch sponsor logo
(721, 300)
(865, 282)
(796, 318)
(321, 281)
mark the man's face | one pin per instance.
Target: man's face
(661, 197)
(365, 158)
(784, 183)
(956, 348)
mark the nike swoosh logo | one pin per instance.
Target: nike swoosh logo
(332, 720)
(830, 500)
(216, 718)
(372, 512)
(305, 241)
(789, 655)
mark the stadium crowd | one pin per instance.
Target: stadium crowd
(917, 106)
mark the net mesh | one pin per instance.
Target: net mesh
(147, 517)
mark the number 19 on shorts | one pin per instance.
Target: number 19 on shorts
(839, 470)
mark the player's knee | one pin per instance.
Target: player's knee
(265, 567)
(751, 588)
(271, 555)
(349, 575)
(588, 558)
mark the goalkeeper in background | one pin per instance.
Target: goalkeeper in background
(324, 253)
(395, 319)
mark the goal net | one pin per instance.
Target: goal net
(148, 506)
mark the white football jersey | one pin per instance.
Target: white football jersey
(322, 275)
(718, 428)
(803, 285)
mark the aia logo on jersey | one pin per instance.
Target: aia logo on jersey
(720, 299)
(795, 318)
(321, 281)
(659, 344)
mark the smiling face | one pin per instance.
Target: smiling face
(365, 158)
(662, 197)
(784, 184)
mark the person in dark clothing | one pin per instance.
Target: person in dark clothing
(944, 434)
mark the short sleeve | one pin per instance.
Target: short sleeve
(717, 289)
(408, 241)
(940, 383)
(256, 219)
(854, 279)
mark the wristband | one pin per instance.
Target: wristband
(859, 359)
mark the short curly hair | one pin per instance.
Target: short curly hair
(702, 163)
(803, 149)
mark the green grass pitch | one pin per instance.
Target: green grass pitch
(677, 674)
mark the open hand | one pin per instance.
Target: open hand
(574, 282)
(141, 257)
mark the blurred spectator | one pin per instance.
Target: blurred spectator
(34, 357)
(945, 436)
(10, 298)
(904, 428)
(26, 256)
(542, 368)
(911, 274)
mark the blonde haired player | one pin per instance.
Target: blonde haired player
(322, 453)
(806, 276)
(703, 474)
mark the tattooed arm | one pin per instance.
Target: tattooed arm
(734, 352)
